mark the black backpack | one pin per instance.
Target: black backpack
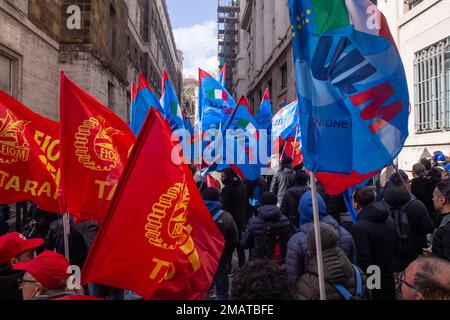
(405, 242)
(274, 241)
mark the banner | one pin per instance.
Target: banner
(170, 104)
(264, 115)
(151, 224)
(29, 156)
(95, 146)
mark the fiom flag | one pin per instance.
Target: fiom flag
(95, 145)
(29, 156)
(170, 104)
(215, 104)
(150, 225)
(144, 100)
(264, 115)
(352, 88)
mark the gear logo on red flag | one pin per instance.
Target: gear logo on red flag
(14, 146)
(93, 136)
(166, 233)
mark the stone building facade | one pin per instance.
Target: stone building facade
(265, 58)
(36, 44)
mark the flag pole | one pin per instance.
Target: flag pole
(66, 227)
(318, 236)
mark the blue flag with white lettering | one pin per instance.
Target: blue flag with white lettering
(352, 87)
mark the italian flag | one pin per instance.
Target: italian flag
(326, 15)
(175, 109)
(217, 95)
(247, 125)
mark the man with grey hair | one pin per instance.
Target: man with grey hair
(427, 278)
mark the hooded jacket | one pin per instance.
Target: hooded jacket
(375, 239)
(252, 237)
(297, 252)
(234, 200)
(289, 205)
(419, 220)
(422, 189)
(9, 287)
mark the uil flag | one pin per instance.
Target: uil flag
(29, 156)
(223, 75)
(95, 145)
(352, 88)
(144, 100)
(150, 225)
(170, 104)
(285, 123)
(264, 115)
(241, 153)
(215, 104)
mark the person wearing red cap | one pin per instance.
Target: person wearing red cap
(45, 277)
(14, 248)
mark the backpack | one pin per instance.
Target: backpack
(359, 288)
(404, 243)
(274, 241)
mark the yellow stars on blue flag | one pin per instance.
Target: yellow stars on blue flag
(302, 20)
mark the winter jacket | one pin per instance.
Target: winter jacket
(9, 287)
(375, 239)
(226, 225)
(281, 183)
(419, 220)
(441, 239)
(422, 189)
(252, 237)
(289, 206)
(297, 252)
(234, 200)
(338, 270)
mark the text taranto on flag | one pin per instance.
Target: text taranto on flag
(95, 146)
(148, 225)
(29, 156)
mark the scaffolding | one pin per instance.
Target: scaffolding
(228, 36)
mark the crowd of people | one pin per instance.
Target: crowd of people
(398, 246)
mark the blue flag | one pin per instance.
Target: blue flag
(215, 104)
(170, 104)
(264, 115)
(285, 124)
(352, 88)
(142, 100)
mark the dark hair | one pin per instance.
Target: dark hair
(419, 169)
(268, 198)
(301, 178)
(426, 163)
(444, 189)
(262, 279)
(365, 196)
(286, 163)
(399, 178)
(211, 194)
(433, 278)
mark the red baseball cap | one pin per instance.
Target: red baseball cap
(49, 268)
(13, 244)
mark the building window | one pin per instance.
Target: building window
(284, 77)
(432, 88)
(112, 28)
(8, 74)
(413, 3)
(111, 96)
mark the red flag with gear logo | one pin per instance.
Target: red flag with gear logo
(154, 217)
(95, 146)
(29, 156)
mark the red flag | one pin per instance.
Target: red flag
(95, 145)
(336, 183)
(294, 152)
(29, 156)
(156, 208)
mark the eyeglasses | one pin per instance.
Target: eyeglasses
(22, 281)
(402, 281)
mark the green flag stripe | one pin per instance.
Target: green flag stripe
(330, 15)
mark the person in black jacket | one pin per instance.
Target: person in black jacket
(228, 228)
(441, 238)
(422, 187)
(374, 236)
(268, 212)
(420, 224)
(289, 205)
(234, 200)
(14, 249)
